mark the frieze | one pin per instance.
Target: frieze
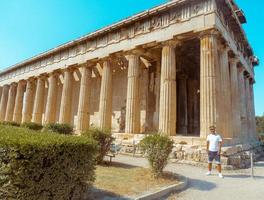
(175, 14)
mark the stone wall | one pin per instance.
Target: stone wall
(193, 151)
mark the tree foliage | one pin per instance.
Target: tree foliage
(157, 148)
(260, 124)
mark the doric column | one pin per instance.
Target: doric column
(182, 105)
(248, 107)
(66, 98)
(29, 100)
(50, 112)
(3, 102)
(17, 117)
(10, 103)
(133, 95)
(254, 131)
(167, 112)
(39, 101)
(105, 106)
(208, 91)
(83, 120)
(235, 108)
(224, 99)
(242, 98)
(1, 90)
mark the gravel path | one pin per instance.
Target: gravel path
(237, 184)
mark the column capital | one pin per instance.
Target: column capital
(13, 84)
(212, 33)
(172, 43)
(132, 55)
(224, 47)
(234, 60)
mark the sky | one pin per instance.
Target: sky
(29, 27)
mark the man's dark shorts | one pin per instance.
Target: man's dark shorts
(213, 155)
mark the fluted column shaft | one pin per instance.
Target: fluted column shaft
(208, 79)
(248, 108)
(17, 117)
(3, 102)
(254, 131)
(10, 103)
(167, 110)
(242, 97)
(66, 98)
(29, 100)
(224, 100)
(1, 90)
(133, 95)
(235, 108)
(39, 101)
(83, 121)
(50, 112)
(105, 105)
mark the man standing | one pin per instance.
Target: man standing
(213, 147)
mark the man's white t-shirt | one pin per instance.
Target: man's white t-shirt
(214, 140)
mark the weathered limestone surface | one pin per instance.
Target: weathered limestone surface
(133, 95)
(105, 107)
(208, 91)
(10, 103)
(29, 100)
(235, 104)
(50, 112)
(39, 101)
(17, 117)
(84, 99)
(242, 97)
(66, 98)
(248, 109)
(3, 102)
(225, 98)
(167, 111)
(253, 119)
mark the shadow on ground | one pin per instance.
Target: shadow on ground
(201, 185)
(243, 176)
(98, 194)
(118, 165)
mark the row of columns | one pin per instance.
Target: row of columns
(222, 89)
(11, 104)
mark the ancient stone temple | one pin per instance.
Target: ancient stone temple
(177, 68)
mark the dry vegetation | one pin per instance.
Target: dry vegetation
(119, 180)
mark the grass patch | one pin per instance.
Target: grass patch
(124, 180)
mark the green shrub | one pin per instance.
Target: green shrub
(104, 139)
(9, 123)
(157, 149)
(32, 126)
(59, 128)
(44, 166)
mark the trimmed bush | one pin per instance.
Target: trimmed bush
(65, 129)
(32, 126)
(157, 148)
(9, 123)
(44, 166)
(104, 139)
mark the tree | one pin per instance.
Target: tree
(260, 124)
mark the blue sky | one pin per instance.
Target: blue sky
(29, 27)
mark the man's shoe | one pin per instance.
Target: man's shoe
(208, 173)
(220, 175)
